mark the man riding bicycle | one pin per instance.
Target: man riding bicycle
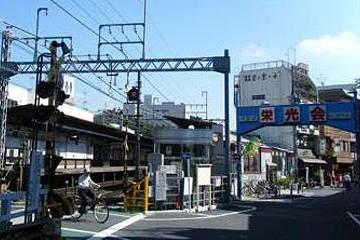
(86, 187)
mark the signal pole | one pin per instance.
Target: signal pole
(4, 81)
(37, 31)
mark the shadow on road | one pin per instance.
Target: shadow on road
(306, 218)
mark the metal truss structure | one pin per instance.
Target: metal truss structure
(219, 64)
(4, 80)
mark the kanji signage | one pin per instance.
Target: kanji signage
(339, 115)
(317, 113)
(249, 118)
(267, 115)
(291, 114)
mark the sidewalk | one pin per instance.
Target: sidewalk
(286, 196)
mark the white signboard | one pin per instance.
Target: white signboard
(188, 186)
(160, 185)
(203, 174)
(170, 169)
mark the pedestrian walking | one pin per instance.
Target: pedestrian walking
(347, 181)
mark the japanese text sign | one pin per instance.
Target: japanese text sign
(267, 115)
(291, 114)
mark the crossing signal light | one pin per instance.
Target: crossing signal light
(61, 96)
(133, 94)
(45, 89)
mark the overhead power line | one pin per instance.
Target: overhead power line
(114, 9)
(86, 26)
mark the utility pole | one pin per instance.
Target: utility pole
(357, 128)
(206, 102)
(138, 151)
(4, 81)
(227, 130)
(293, 102)
(37, 30)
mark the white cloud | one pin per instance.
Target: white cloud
(252, 50)
(346, 43)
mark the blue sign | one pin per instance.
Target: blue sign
(186, 156)
(339, 115)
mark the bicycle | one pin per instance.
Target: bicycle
(261, 189)
(97, 205)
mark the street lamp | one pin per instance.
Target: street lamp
(37, 30)
(205, 93)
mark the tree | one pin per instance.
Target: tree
(251, 148)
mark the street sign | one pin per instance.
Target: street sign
(317, 113)
(186, 156)
(291, 114)
(340, 115)
(267, 115)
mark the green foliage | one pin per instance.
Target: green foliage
(317, 175)
(283, 182)
(251, 148)
(329, 150)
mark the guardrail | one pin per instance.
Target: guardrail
(7, 213)
(137, 196)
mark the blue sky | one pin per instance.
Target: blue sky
(326, 35)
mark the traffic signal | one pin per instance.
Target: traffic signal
(133, 94)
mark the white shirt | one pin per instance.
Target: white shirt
(347, 178)
(85, 181)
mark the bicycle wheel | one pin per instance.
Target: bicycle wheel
(101, 212)
(77, 204)
(245, 191)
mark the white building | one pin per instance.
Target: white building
(153, 112)
(19, 95)
(272, 83)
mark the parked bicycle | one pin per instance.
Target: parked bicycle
(97, 205)
(261, 189)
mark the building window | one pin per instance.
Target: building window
(168, 151)
(254, 77)
(258, 97)
(252, 164)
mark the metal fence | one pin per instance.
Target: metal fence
(204, 196)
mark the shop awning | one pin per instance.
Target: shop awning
(313, 161)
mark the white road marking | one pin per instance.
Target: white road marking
(353, 217)
(113, 229)
(78, 230)
(90, 232)
(116, 214)
(251, 208)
